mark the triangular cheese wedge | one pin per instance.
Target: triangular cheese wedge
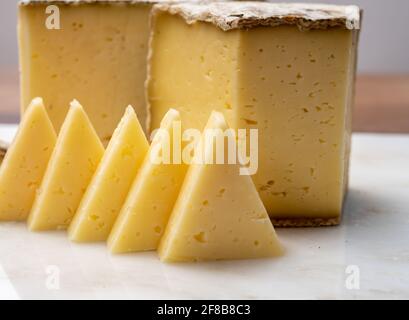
(26, 160)
(218, 214)
(146, 211)
(111, 182)
(73, 162)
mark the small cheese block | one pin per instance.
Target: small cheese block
(218, 214)
(94, 50)
(25, 163)
(111, 182)
(287, 70)
(98, 56)
(144, 216)
(74, 160)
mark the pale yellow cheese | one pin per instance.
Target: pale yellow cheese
(98, 57)
(74, 160)
(295, 87)
(144, 215)
(305, 131)
(194, 76)
(25, 162)
(111, 182)
(218, 214)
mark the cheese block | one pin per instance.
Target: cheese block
(144, 215)
(98, 56)
(218, 214)
(25, 162)
(111, 182)
(285, 69)
(73, 162)
(91, 50)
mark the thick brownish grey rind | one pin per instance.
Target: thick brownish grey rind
(79, 2)
(305, 222)
(245, 15)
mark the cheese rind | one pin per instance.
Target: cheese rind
(296, 87)
(251, 14)
(98, 57)
(145, 213)
(25, 162)
(218, 214)
(73, 162)
(111, 182)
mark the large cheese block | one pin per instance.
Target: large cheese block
(110, 184)
(25, 162)
(285, 69)
(98, 56)
(218, 214)
(73, 162)
(145, 213)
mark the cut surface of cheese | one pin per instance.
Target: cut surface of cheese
(218, 214)
(73, 162)
(98, 56)
(111, 182)
(252, 62)
(25, 163)
(145, 213)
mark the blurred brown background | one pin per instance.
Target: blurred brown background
(382, 91)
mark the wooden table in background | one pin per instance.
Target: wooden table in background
(9, 96)
(382, 102)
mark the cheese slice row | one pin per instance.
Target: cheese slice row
(84, 184)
